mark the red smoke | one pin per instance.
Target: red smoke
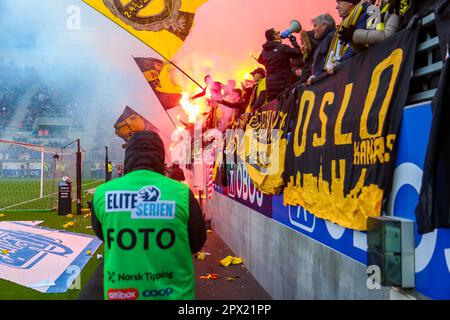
(226, 32)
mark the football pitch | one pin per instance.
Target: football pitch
(81, 224)
(18, 194)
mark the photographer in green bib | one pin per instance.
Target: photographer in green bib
(150, 224)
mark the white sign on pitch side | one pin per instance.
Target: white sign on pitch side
(39, 258)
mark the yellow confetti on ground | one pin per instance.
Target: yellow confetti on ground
(201, 256)
(213, 276)
(68, 224)
(230, 260)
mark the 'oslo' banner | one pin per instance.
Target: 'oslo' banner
(340, 156)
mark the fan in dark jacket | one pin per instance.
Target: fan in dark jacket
(276, 57)
(324, 30)
(321, 52)
(308, 47)
(176, 173)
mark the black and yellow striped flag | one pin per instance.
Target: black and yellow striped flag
(161, 24)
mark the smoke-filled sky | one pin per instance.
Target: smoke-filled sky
(229, 31)
(225, 34)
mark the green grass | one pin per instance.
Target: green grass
(12, 291)
(23, 194)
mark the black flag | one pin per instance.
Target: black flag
(129, 122)
(158, 74)
(433, 210)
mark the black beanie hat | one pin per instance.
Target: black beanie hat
(145, 150)
(270, 34)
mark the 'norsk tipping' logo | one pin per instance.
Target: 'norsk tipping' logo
(143, 204)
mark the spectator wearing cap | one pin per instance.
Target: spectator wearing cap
(276, 57)
(384, 20)
(353, 14)
(258, 97)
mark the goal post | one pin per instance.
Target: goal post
(29, 175)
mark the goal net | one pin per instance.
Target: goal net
(29, 175)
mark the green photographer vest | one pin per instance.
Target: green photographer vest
(144, 217)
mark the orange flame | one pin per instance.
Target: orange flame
(195, 109)
(192, 109)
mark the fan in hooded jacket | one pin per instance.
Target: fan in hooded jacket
(276, 57)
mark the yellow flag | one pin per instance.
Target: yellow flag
(129, 122)
(159, 77)
(162, 24)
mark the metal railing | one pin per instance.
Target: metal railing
(427, 50)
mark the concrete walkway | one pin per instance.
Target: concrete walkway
(244, 287)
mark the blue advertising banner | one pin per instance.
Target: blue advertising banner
(241, 189)
(432, 252)
(351, 243)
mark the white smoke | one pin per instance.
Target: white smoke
(39, 34)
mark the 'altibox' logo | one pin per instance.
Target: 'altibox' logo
(123, 294)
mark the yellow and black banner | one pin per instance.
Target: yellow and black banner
(341, 152)
(130, 122)
(264, 149)
(159, 77)
(257, 142)
(163, 25)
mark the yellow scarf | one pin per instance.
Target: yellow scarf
(338, 49)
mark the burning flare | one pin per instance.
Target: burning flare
(192, 109)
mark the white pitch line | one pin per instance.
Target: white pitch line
(28, 201)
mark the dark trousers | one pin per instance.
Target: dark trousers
(93, 290)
